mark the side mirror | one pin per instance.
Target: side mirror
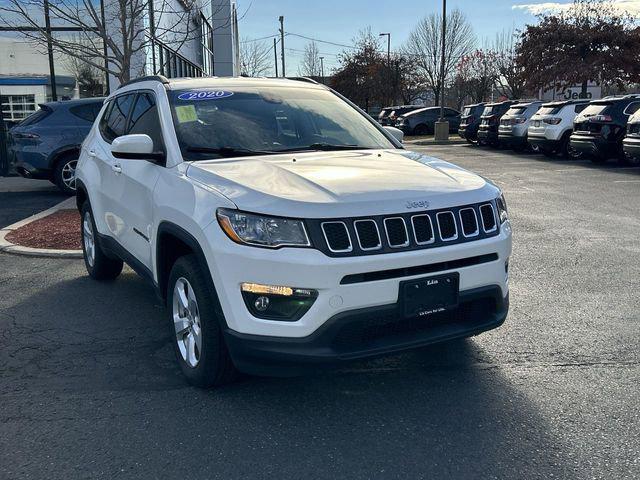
(136, 147)
(396, 132)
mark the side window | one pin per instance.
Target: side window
(114, 122)
(580, 107)
(450, 113)
(632, 108)
(145, 119)
(87, 113)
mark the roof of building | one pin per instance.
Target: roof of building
(36, 80)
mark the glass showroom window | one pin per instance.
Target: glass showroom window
(17, 107)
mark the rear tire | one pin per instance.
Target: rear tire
(64, 175)
(629, 161)
(196, 330)
(99, 266)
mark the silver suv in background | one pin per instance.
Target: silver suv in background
(512, 131)
(631, 142)
(552, 125)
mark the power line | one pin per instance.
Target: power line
(322, 41)
(258, 39)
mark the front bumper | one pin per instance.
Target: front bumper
(366, 333)
(594, 146)
(232, 264)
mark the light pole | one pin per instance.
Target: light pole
(388, 35)
(322, 69)
(281, 19)
(442, 126)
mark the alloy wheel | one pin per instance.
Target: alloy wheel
(69, 174)
(186, 322)
(88, 239)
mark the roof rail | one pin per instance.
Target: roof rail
(303, 79)
(157, 78)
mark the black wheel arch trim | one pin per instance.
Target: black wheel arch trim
(55, 156)
(183, 235)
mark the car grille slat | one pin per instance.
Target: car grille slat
(396, 232)
(488, 217)
(469, 222)
(447, 226)
(368, 234)
(422, 229)
(337, 236)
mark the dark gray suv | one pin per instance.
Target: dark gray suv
(423, 120)
(46, 144)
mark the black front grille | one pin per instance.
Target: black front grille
(396, 232)
(337, 236)
(469, 222)
(368, 235)
(488, 217)
(422, 229)
(447, 226)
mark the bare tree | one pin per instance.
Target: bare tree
(89, 78)
(123, 30)
(425, 46)
(255, 58)
(510, 81)
(310, 64)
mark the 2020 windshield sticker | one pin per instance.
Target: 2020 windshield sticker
(204, 95)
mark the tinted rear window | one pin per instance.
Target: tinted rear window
(549, 110)
(516, 110)
(36, 117)
(632, 108)
(595, 108)
(87, 112)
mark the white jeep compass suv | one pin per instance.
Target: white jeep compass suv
(552, 125)
(284, 228)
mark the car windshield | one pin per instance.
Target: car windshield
(215, 123)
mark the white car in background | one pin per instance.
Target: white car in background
(552, 125)
(284, 228)
(512, 131)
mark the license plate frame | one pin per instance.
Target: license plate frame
(427, 296)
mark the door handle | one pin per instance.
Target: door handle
(116, 168)
(91, 153)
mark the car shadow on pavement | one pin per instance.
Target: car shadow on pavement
(100, 354)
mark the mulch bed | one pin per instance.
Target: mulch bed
(60, 230)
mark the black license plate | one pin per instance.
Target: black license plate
(428, 296)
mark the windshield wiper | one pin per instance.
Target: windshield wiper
(228, 151)
(324, 147)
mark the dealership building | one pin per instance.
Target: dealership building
(212, 49)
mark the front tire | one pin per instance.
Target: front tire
(99, 266)
(196, 329)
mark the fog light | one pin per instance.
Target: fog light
(274, 302)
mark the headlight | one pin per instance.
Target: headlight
(262, 230)
(501, 203)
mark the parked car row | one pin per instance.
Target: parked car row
(417, 120)
(597, 129)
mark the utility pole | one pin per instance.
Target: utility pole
(52, 70)
(322, 69)
(388, 35)
(104, 46)
(442, 125)
(444, 42)
(275, 55)
(282, 43)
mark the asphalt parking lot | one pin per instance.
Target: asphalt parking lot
(89, 387)
(21, 198)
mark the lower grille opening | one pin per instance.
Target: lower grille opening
(418, 270)
(368, 330)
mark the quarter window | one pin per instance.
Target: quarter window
(632, 108)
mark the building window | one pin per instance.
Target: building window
(17, 107)
(206, 40)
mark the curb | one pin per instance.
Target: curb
(8, 247)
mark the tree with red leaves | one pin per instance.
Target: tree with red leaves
(591, 41)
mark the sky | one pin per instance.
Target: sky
(339, 21)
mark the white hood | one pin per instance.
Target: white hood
(343, 183)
